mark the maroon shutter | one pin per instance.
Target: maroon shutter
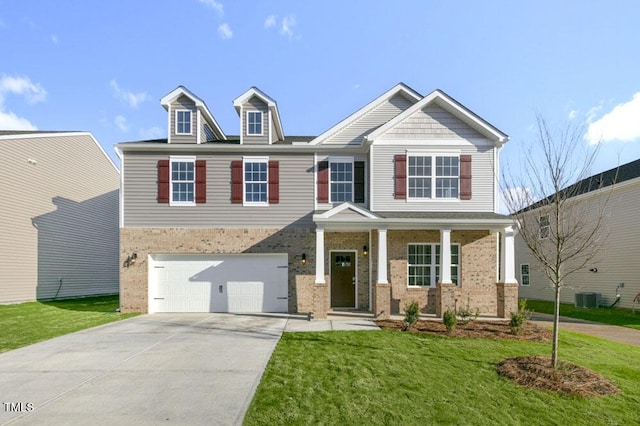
(274, 182)
(400, 177)
(201, 181)
(236, 181)
(163, 181)
(465, 177)
(323, 181)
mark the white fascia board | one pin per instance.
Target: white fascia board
(351, 223)
(398, 88)
(253, 91)
(344, 206)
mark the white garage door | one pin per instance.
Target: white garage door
(218, 283)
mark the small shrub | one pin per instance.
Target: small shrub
(449, 320)
(519, 318)
(411, 315)
(465, 314)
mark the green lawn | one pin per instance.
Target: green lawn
(613, 316)
(390, 377)
(31, 322)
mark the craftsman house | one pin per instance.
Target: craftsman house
(396, 203)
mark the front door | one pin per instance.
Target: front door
(343, 279)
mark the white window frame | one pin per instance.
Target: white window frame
(190, 122)
(435, 264)
(523, 274)
(261, 123)
(343, 160)
(245, 161)
(433, 177)
(544, 230)
(182, 159)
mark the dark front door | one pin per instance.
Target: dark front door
(343, 280)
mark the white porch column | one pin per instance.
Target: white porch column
(382, 257)
(445, 256)
(508, 275)
(320, 256)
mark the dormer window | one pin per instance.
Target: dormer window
(183, 122)
(254, 123)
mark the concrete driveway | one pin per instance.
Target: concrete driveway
(187, 369)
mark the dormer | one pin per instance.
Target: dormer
(259, 118)
(189, 119)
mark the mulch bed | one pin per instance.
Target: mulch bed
(533, 372)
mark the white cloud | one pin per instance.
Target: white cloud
(224, 31)
(288, 22)
(213, 4)
(10, 121)
(152, 133)
(130, 98)
(271, 21)
(572, 114)
(619, 124)
(54, 39)
(121, 123)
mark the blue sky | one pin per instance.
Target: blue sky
(102, 66)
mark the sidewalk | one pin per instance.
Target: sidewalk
(335, 321)
(616, 333)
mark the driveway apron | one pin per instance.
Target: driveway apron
(187, 369)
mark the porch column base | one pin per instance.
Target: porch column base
(320, 301)
(507, 299)
(382, 301)
(445, 298)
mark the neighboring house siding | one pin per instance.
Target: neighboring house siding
(255, 104)
(431, 122)
(353, 133)
(59, 219)
(618, 254)
(294, 208)
(482, 180)
(183, 103)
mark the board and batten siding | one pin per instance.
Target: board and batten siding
(354, 132)
(141, 208)
(59, 218)
(182, 103)
(482, 181)
(255, 104)
(617, 257)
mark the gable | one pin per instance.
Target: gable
(431, 122)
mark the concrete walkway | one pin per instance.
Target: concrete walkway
(615, 333)
(335, 321)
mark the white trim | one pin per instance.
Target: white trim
(383, 275)
(169, 129)
(178, 159)
(315, 181)
(241, 129)
(369, 182)
(344, 206)
(198, 130)
(246, 160)
(121, 192)
(320, 255)
(255, 111)
(269, 124)
(335, 159)
(508, 250)
(175, 124)
(355, 276)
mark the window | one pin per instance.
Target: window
(254, 123)
(524, 274)
(183, 122)
(424, 264)
(544, 227)
(208, 133)
(255, 181)
(426, 181)
(341, 175)
(182, 181)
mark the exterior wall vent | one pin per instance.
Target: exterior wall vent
(588, 300)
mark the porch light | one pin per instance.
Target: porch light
(304, 259)
(365, 251)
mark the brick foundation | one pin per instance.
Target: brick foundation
(382, 301)
(507, 299)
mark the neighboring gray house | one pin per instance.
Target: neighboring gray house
(59, 216)
(619, 252)
(396, 203)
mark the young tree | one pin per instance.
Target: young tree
(562, 230)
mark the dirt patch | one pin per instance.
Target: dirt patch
(533, 372)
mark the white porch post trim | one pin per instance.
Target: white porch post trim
(382, 257)
(508, 257)
(320, 256)
(445, 256)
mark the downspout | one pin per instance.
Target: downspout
(121, 192)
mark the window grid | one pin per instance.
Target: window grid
(183, 122)
(422, 259)
(255, 182)
(419, 177)
(254, 123)
(422, 177)
(341, 182)
(524, 274)
(545, 227)
(183, 181)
